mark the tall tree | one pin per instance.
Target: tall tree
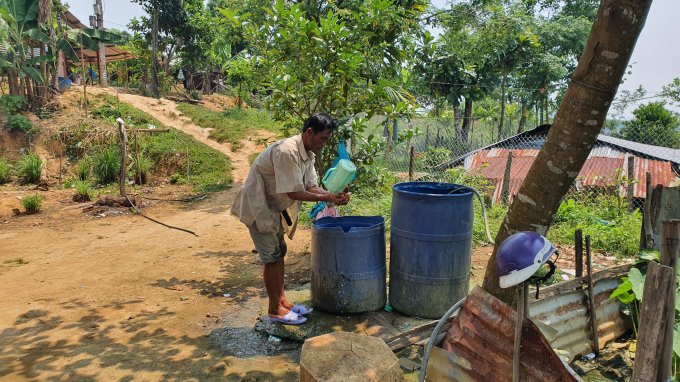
(652, 124)
(575, 127)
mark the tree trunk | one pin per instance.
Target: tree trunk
(502, 122)
(456, 118)
(523, 120)
(13, 82)
(467, 117)
(575, 127)
(547, 115)
(42, 90)
(154, 54)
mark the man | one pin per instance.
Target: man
(280, 179)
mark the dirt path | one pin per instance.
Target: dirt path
(166, 111)
(86, 298)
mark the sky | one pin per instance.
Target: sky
(655, 59)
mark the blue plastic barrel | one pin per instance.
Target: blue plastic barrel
(64, 84)
(430, 247)
(348, 268)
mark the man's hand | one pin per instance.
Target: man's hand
(339, 200)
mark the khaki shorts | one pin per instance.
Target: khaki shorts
(270, 247)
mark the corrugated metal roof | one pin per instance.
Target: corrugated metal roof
(480, 345)
(72, 21)
(659, 152)
(568, 314)
(113, 53)
(599, 170)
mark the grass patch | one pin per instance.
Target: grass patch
(18, 260)
(107, 165)
(208, 167)
(228, 126)
(252, 157)
(4, 170)
(32, 204)
(30, 168)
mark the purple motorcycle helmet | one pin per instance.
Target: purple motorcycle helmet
(520, 256)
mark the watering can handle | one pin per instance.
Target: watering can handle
(328, 173)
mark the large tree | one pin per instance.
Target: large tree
(575, 128)
(653, 125)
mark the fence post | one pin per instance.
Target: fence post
(591, 298)
(123, 154)
(647, 215)
(411, 164)
(505, 196)
(670, 245)
(578, 252)
(631, 186)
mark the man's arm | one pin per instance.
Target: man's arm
(317, 194)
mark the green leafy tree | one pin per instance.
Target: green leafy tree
(240, 74)
(653, 125)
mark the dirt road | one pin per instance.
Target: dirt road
(87, 298)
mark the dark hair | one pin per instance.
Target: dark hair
(319, 123)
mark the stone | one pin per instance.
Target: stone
(374, 324)
(408, 366)
(318, 323)
(347, 356)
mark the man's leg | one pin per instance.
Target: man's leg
(269, 249)
(282, 293)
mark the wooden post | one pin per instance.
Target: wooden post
(127, 73)
(123, 154)
(578, 252)
(411, 164)
(670, 245)
(647, 213)
(505, 195)
(653, 316)
(631, 187)
(82, 66)
(591, 298)
(522, 313)
(137, 159)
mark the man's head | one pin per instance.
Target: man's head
(317, 131)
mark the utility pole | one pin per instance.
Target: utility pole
(154, 54)
(101, 54)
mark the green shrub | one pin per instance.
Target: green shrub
(30, 168)
(107, 165)
(12, 104)
(196, 95)
(32, 204)
(177, 178)
(83, 167)
(4, 170)
(19, 123)
(82, 190)
(143, 165)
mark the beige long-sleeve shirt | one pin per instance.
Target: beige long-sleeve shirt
(283, 167)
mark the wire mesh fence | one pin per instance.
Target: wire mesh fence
(617, 165)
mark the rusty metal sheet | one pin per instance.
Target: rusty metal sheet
(480, 344)
(568, 314)
(661, 174)
(599, 172)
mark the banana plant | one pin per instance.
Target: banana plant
(22, 26)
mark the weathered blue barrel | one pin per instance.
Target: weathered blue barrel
(349, 274)
(430, 247)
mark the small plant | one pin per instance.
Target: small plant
(18, 260)
(82, 191)
(12, 104)
(196, 95)
(44, 113)
(252, 157)
(19, 123)
(177, 178)
(4, 170)
(83, 167)
(107, 165)
(32, 204)
(141, 166)
(30, 168)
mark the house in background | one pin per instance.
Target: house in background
(598, 174)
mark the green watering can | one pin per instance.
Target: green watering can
(338, 177)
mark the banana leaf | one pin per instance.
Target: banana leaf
(35, 74)
(37, 35)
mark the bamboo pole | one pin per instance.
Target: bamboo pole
(522, 313)
(578, 252)
(123, 154)
(82, 66)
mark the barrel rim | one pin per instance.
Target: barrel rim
(399, 189)
(380, 223)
